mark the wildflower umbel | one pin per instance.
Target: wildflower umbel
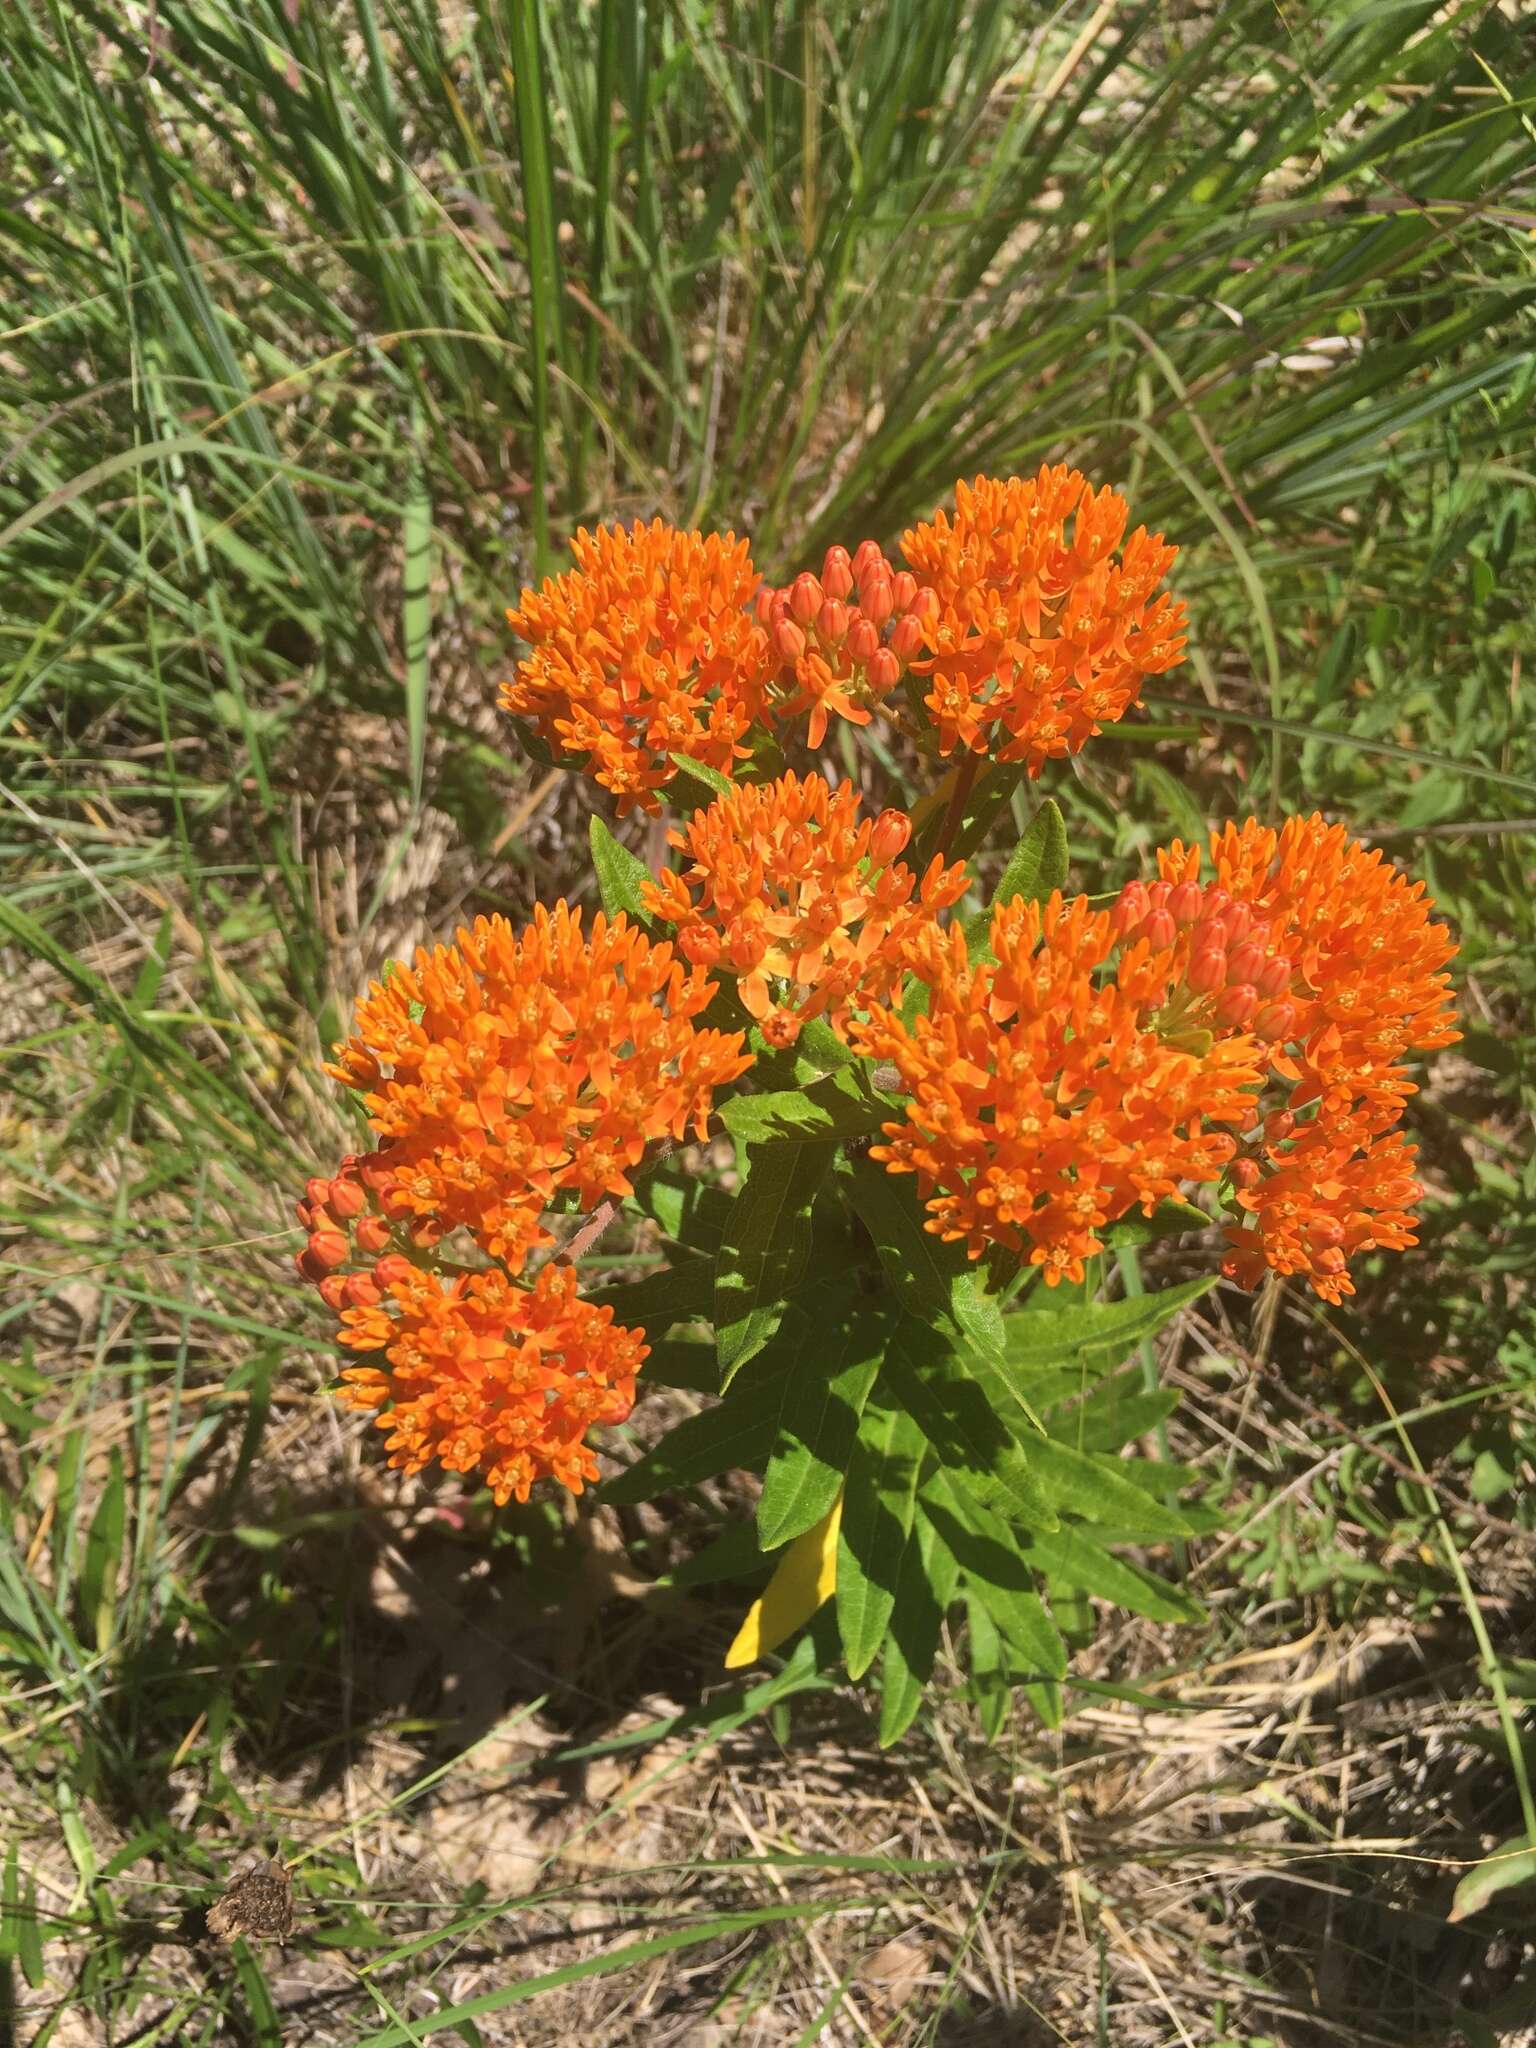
(511, 1067)
(1046, 1099)
(1035, 638)
(805, 901)
(487, 1377)
(1328, 1174)
(645, 649)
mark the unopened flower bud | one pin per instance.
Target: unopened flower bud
(866, 559)
(316, 1191)
(763, 604)
(1207, 971)
(1244, 962)
(903, 589)
(1275, 1021)
(832, 621)
(1236, 1005)
(788, 640)
(1323, 1231)
(1238, 918)
(1279, 1126)
(333, 1292)
(1217, 903)
(1244, 1173)
(375, 1174)
(863, 639)
(889, 836)
(805, 598)
(1330, 1260)
(372, 1234)
(1274, 977)
(1159, 931)
(1185, 902)
(305, 1213)
(361, 1290)
(837, 573)
(883, 670)
(1158, 893)
(1131, 906)
(906, 636)
(328, 1249)
(393, 1267)
(347, 1198)
(875, 599)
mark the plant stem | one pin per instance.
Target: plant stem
(965, 777)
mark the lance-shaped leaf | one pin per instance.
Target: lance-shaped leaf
(833, 1107)
(839, 1339)
(925, 1587)
(620, 873)
(988, 1555)
(766, 1247)
(878, 1504)
(962, 1409)
(1037, 865)
(931, 1279)
(1077, 1560)
(1100, 1334)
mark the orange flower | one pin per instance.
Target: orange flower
(1047, 1099)
(1037, 640)
(645, 649)
(788, 888)
(844, 639)
(512, 1066)
(487, 1377)
(1332, 1177)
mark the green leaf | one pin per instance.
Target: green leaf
(931, 1279)
(1172, 1218)
(416, 603)
(1076, 1559)
(955, 1404)
(681, 1362)
(839, 1344)
(766, 1246)
(1101, 1333)
(925, 1586)
(700, 785)
(1037, 865)
(621, 875)
(738, 1431)
(879, 1500)
(1115, 1413)
(684, 1293)
(989, 1556)
(989, 1680)
(835, 1106)
(1512, 1863)
(1094, 1486)
(97, 1589)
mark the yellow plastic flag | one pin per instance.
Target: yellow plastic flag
(807, 1576)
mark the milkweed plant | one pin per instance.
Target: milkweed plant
(939, 1120)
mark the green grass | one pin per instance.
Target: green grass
(321, 330)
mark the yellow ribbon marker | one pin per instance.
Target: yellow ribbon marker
(805, 1579)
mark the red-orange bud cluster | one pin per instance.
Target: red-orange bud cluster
(844, 638)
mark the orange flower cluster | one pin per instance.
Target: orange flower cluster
(487, 1377)
(1036, 640)
(845, 638)
(801, 898)
(509, 1068)
(645, 649)
(1048, 1098)
(1329, 1175)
